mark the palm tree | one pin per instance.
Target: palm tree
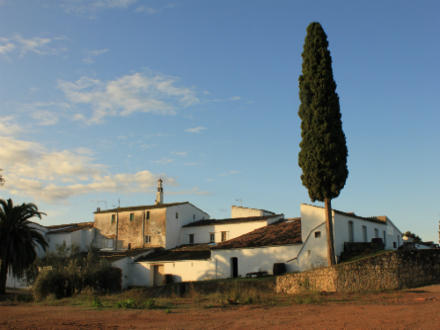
(18, 239)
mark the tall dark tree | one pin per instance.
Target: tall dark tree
(18, 239)
(323, 154)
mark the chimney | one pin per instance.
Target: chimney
(159, 193)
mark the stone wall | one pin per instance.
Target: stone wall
(390, 270)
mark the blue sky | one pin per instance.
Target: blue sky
(99, 98)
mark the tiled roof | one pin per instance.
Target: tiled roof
(284, 232)
(141, 207)
(252, 208)
(231, 220)
(378, 219)
(68, 228)
(112, 255)
(188, 252)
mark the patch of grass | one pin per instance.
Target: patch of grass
(314, 298)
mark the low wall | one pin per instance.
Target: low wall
(390, 270)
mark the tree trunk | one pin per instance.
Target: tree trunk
(3, 276)
(329, 224)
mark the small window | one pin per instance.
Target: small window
(385, 238)
(194, 217)
(376, 232)
(364, 233)
(350, 231)
(191, 238)
(394, 245)
(177, 215)
(212, 237)
(223, 236)
(129, 246)
(147, 239)
(317, 234)
(147, 215)
(131, 216)
(113, 218)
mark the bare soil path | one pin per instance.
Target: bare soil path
(410, 309)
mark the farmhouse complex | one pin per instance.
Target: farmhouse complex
(177, 242)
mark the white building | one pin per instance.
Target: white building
(299, 243)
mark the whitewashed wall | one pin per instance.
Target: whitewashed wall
(187, 213)
(233, 230)
(312, 216)
(252, 259)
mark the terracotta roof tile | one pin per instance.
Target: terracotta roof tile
(231, 220)
(279, 233)
(68, 228)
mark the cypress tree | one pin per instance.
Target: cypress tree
(323, 154)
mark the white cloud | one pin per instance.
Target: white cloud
(197, 129)
(36, 45)
(7, 128)
(136, 92)
(91, 7)
(46, 113)
(92, 54)
(45, 118)
(32, 170)
(180, 153)
(151, 11)
(164, 161)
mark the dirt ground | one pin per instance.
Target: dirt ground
(408, 309)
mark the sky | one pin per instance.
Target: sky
(100, 98)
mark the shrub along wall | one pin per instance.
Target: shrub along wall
(390, 270)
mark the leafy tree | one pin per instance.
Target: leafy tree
(18, 239)
(323, 154)
(413, 236)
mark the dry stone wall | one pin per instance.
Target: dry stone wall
(390, 270)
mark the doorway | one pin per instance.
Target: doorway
(157, 275)
(234, 267)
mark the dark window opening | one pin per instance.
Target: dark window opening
(113, 218)
(234, 267)
(148, 215)
(223, 236)
(317, 234)
(147, 239)
(350, 231)
(177, 215)
(191, 238)
(211, 237)
(131, 216)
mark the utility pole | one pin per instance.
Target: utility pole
(117, 224)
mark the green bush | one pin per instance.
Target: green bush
(52, 282)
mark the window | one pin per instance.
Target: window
(385, 238)
(129, 246)
(177, 215)
(147, 215)
(212, 237)
(376, 233)
(317, 234)
(191, 238)
(113, 218)
(223, 236)
(350, 231)
(147, 239)
(394, 245)
(364, 234)
(131, 216)
(194, 217)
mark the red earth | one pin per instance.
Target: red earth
(407, 309)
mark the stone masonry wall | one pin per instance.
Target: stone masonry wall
(390, 270)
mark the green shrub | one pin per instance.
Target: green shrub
(52, 282)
